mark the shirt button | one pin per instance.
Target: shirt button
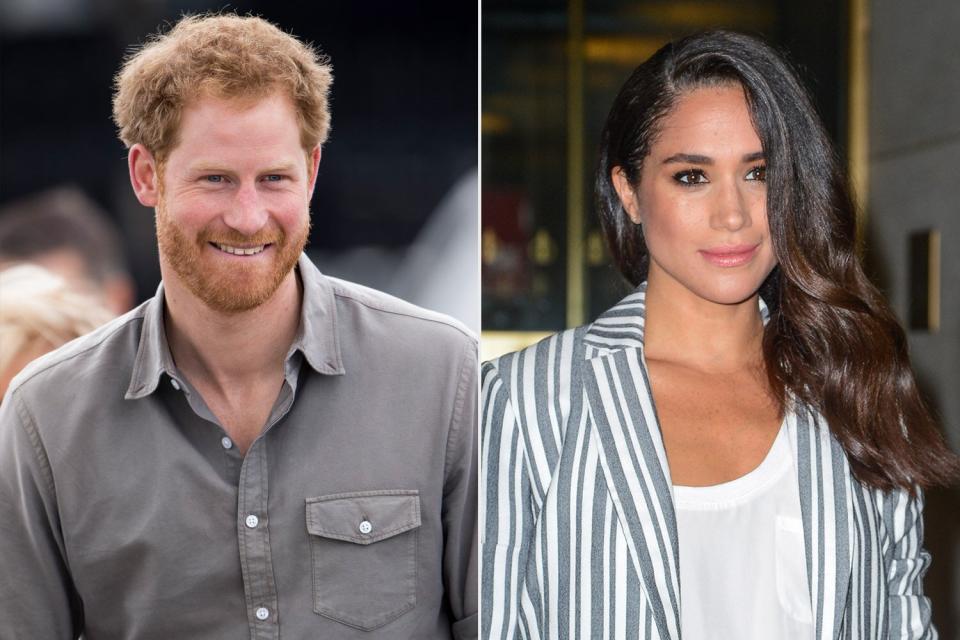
(252, 522)
(262, 613)
(226, 442)
(175, 384)
(366, 527)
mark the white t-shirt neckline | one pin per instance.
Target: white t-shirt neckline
(742, 556)
(727, 494)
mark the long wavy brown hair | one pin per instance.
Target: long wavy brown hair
(832, 340)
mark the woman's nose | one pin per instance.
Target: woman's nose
(732, 209)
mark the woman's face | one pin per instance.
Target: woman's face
(702, 199)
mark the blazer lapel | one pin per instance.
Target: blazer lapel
(632, 455)
(826, 505)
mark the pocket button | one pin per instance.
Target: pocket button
(363, 547)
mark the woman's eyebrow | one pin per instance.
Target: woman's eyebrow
(688, 158)
(692, 158)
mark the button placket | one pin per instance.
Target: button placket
(254, 542)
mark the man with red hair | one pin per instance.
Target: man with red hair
(258, 451)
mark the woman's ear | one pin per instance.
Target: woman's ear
(627, 194)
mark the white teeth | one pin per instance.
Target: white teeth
(239, 251)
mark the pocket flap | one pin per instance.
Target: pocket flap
(364, 517)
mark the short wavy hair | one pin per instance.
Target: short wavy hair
(226, 56)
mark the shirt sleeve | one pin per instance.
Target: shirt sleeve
(906, 562)
(460, 502)
(36, 594)
(506, 509)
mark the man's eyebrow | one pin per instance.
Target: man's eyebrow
(284, 167)
(213, 167)
(692, 158)
(204, 167)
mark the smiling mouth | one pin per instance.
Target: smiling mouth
(240, 251)
(732, 256)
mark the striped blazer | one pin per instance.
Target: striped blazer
(579, 536)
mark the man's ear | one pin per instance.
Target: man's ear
(627, 194)
(144, 175)
(313, 164)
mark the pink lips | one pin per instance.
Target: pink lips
(734, 256)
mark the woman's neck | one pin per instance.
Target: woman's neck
(684, 328)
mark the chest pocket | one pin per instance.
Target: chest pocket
(363, 548)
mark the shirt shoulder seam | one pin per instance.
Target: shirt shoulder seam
(453, 325)
(56, 362)
(29, 426)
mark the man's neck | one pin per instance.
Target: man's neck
(231, 350)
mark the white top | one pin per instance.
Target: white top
(742, 560)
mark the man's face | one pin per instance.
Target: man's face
(232, 213)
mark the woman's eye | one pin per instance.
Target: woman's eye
(690, 177)
(757, 173)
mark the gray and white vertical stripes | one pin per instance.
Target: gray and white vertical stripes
(579, 537)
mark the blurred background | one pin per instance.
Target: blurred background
(395, 205)
(886, 79)
(551, 69)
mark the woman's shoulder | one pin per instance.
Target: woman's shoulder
(555, 354)
(535, 390)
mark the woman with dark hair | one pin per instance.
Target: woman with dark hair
(737, 449)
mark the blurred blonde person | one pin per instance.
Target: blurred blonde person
(38, 313)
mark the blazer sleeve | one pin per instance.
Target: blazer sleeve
(905, 564)
(506, 509)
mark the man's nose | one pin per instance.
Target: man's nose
(247, 214)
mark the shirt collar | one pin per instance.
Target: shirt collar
(316, 337)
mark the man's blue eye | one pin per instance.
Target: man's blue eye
(273, 178)
(215, 179)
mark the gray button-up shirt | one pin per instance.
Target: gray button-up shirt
(127, 513)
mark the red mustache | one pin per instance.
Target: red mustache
(236, 239)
